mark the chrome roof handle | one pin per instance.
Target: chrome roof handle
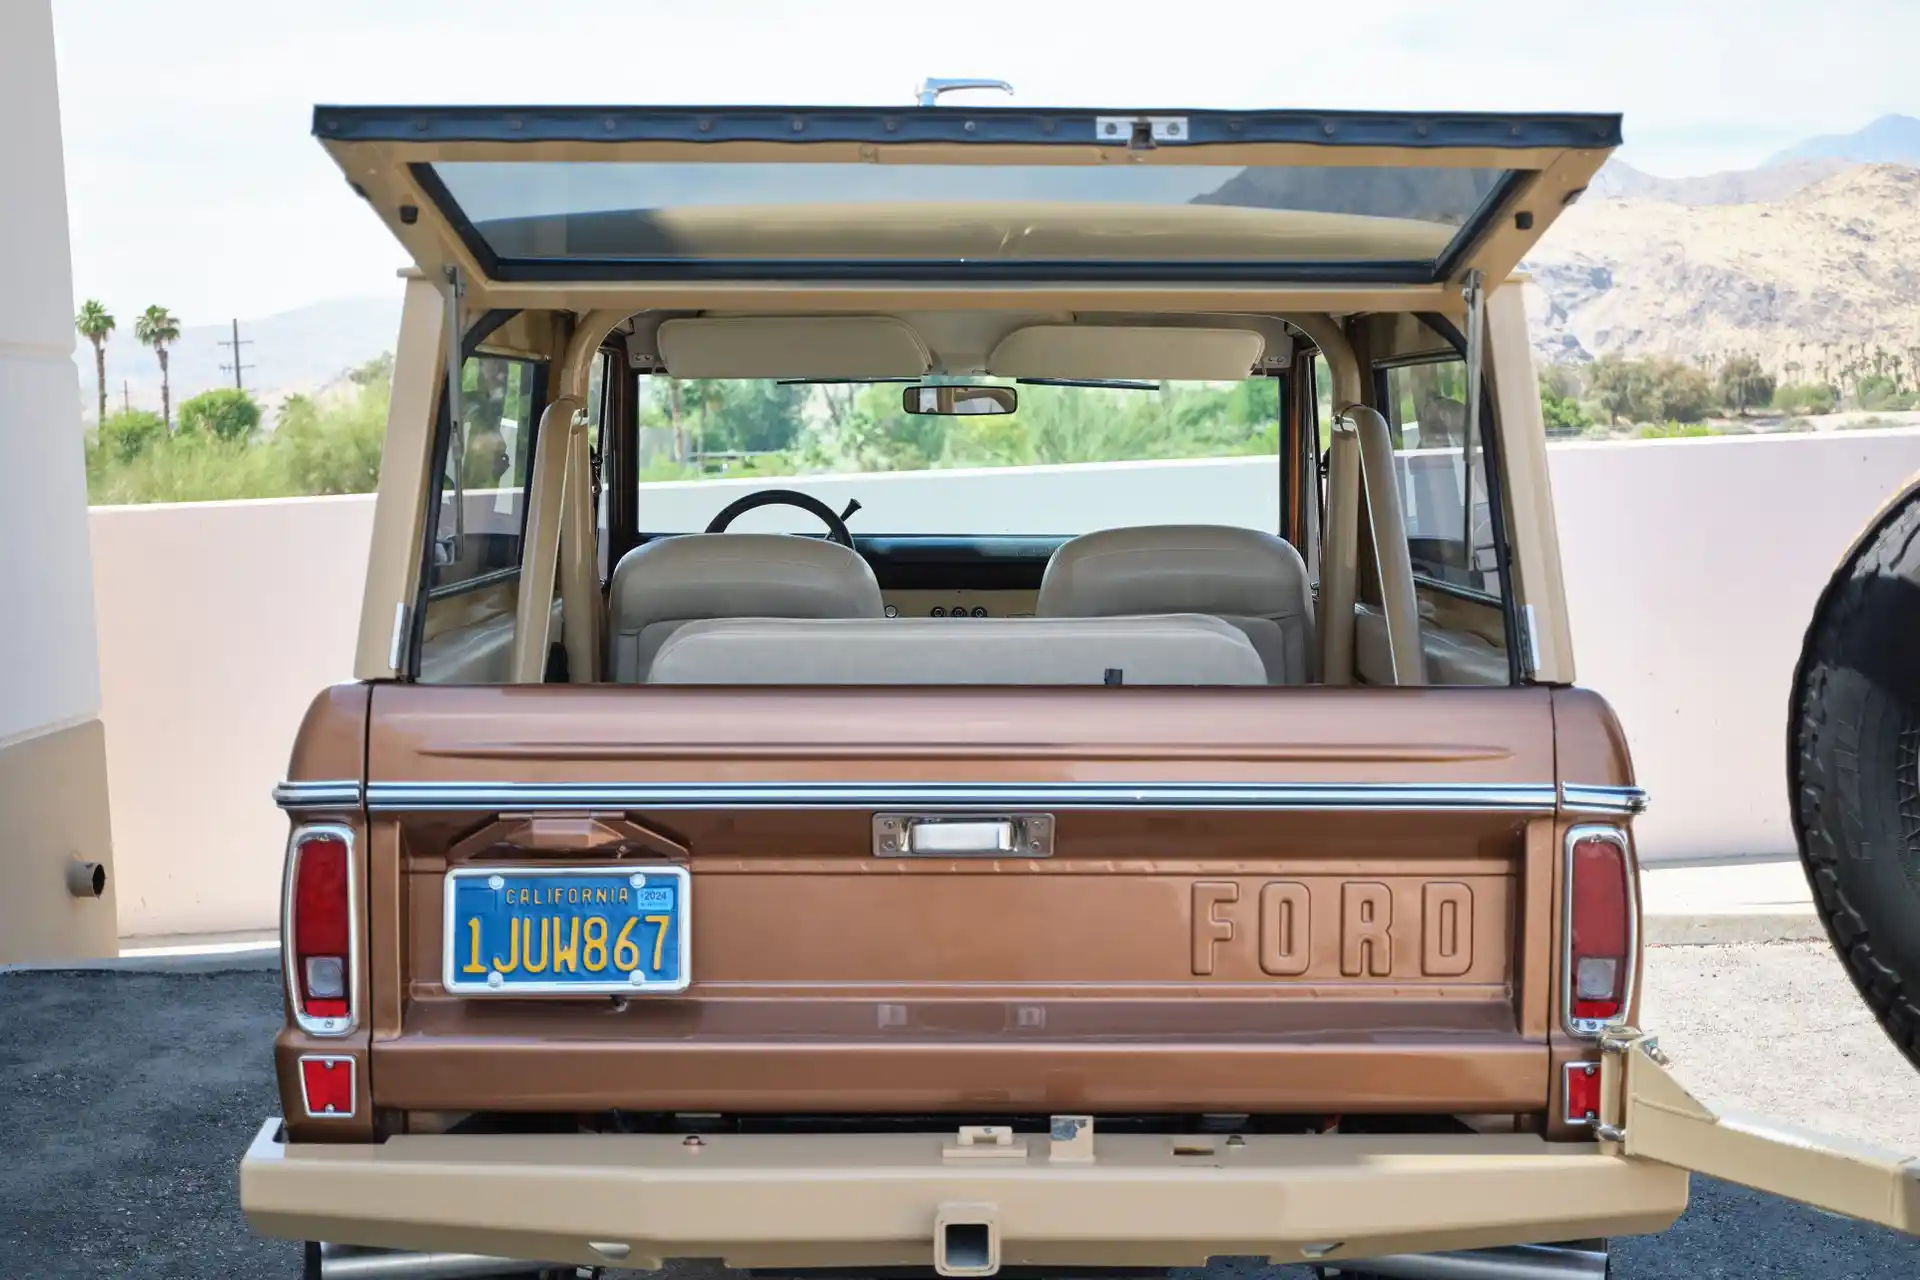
(933, 86)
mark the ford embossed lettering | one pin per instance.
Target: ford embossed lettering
(567, 931)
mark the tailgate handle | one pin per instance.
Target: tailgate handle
(897, 835)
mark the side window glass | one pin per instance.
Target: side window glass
(483, 485)
(1442, 476)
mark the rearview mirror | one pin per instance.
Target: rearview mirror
(954, 400)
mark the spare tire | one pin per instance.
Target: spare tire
(1853, 765)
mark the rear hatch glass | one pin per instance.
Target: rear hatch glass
(676, 193)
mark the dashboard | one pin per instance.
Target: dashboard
(959, 604)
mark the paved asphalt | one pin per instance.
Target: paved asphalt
(125, 1099)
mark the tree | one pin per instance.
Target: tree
(375, 372)
(94, 323)
(1743, 384)
(1624, 388)
(225, 413)
(1560, 402)
(125, 436)
(1681, 392)
(157, 328)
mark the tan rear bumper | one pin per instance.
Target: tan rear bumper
(847, 1200)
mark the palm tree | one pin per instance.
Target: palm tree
(94, 324)
(157, 328)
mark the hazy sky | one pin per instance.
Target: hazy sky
(193, 181)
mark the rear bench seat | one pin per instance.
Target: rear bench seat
(1167, 649)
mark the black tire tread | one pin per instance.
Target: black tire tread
(1819, 755)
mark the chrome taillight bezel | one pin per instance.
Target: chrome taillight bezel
(1591, 1028)
(304, 834)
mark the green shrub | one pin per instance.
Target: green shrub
(1805, 398)
(126, 435)
(225, 413)
(1564, 415)
(190, 467)
(318, 447)
(333, 446)
(1675, 430)
(1880, 393)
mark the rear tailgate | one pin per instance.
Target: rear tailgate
(1256, 900)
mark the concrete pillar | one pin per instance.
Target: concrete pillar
(53, 766)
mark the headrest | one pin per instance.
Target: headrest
(727, 575)
(1191, 568)
(792, 347)
(1121, 352)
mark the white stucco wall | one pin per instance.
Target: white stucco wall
(49, 677)
(219, 622)
(1692, 566)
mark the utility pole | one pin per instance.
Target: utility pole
(236, 366)
(126, 397)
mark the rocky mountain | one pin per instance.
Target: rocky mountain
(1619, 180)
(1888, 140)
(1794, 279)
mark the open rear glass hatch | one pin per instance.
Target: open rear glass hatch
(658, 194)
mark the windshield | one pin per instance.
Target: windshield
(703, 442)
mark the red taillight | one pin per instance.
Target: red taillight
(1600, 937)
(318, 927)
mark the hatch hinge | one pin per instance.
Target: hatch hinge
(1140, 132)
(1528, 634)
(397, 641)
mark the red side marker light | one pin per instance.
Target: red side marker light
(327, 1083)
(1583, 1092)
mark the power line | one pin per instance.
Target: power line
(236, 366)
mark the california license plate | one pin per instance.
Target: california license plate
(567, 931)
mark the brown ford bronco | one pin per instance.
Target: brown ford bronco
(1090, 867)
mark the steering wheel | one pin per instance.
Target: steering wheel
(836, 525)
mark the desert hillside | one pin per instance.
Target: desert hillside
(1827, 272)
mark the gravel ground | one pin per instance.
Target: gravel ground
(1778, 1029)
(126, 1098)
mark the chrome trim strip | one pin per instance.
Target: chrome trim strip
(449, 934)
(467, 797)
(289, 952)
(339, 793)
(1590, 1028)
(1580, 798)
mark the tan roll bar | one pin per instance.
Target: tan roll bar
(541, 555)
(1391, 556)
(1360, 469)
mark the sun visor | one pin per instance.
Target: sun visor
(1098, 352)
(793, 347)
